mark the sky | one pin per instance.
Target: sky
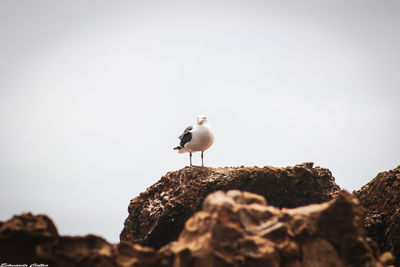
(94, 94)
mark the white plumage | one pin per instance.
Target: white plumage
(196, 138)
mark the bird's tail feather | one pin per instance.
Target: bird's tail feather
(180, 149)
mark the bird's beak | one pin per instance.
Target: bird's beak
(201, 122)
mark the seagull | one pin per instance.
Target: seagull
(197, 137)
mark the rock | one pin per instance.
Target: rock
(28, 239)
(239, 229)
(381, 198)
(92, 250)
(20, 235)
(158, 215)
(233, 228)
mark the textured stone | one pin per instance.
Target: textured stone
(280, 226)
(234, 228)
(28, 239)
(220, 235)
(381, 198)
(158, 215)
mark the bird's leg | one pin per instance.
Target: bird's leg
(191, 165)
(202, 160)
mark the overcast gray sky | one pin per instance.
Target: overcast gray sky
(93, 95)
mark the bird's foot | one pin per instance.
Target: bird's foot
(196, 166)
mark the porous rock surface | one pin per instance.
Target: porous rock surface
(239, 229)
(381, 198)
(231, 227)
(158, 215)
(234, 228)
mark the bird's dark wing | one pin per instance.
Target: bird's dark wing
(186, 136)
(187, 130)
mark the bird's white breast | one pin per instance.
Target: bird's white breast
(202, 138)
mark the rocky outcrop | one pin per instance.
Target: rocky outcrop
(92, 250)
(200, 221)
(239, 229)
(29, 239)
(20, 236)
(381, 198)
(158, 215)
(234, 228)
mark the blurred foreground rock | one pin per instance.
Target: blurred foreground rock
(381, 198)
(20, 236)
(239, 229)
(230, 227)
(234, 229)
(29, 239)
(157, 216)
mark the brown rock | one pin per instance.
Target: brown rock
(28, 239)
(20, 235)
(220, 235)
(381, 198)
(158, 215)
(233, 229)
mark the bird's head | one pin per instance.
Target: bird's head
(201, 119)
